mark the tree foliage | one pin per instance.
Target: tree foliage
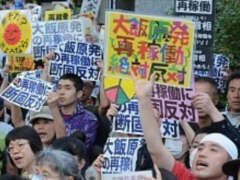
(227, 30)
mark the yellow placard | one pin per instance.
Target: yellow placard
(57, 15)
(15, 32)
(147, 45)
(20, 63)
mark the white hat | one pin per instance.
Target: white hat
(44, 113)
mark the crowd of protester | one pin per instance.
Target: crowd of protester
(65, 140)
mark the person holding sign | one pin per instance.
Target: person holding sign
(214, 149)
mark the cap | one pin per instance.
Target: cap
(44, 113)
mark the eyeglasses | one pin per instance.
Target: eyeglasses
(18, 145)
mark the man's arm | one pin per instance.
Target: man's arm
(57, 118)
(155, 146)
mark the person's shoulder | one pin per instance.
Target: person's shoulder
(91, 116)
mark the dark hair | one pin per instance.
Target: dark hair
(71, 145)
(209, 80)
(235, 75)
(12, 177)
(27, 133)
(77, 81)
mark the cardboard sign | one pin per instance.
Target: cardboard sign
(48, 35)
(147, 45)
(15, 32)
(90, 6)
(28, 93)
(58, 15)
(174, 103)
(77, 58)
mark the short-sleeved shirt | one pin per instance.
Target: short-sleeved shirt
(181, 172)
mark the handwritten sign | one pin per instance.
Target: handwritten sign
(90, 6)
(27, 93)
(20, 63)
(48, 35)
(174, 103)
(146, 44)
(77, 58)
(120, 155)
(57, 15)
(15, 31)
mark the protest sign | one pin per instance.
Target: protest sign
(120, 155)
(20, 63)
(137, 175)
(118, 91)
(77, 58)
(57, 15)
(128, 120)
(15, 31)
(146, 45)
(48, 35)
(27, 93)
(202, 13)
(219, 71)
(90, 6)
(174, 103)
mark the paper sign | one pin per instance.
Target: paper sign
(15, 32)
(48, 35)
(147, 45)
(57, 15)
(120, 155)
(76, 58)
(128, 119)
(137, 175)
(118, 91)
(174, 103)
(28, 93)
(20, 63)
(90, 6)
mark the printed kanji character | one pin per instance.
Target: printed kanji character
(85, 61)
(40, 89)
(120, 146)
(171, 110)
(205, 6)
(10, 93)
(82, 49)
(51, 28)
(170, 128)
(115, 163)
(62, 27)
(158, 106)
(182, 5)
(94, 50)
(65, 16)
(32, 102)
(24, 83)
(75, 26)
(108, 147)
(21, 98)
(70, 47)
(68, 69)
(122, 123)
(93, 73)
(132, 146)
(32, 86)
(51, 17)
(82, 72)
(136, 124)
(120, 24)
(65, 58)
(187, 112)
(170, 54)
(59, 17)
(133, 107)
(193, 5)
(126, 164)
(174, 93)
(37, 28)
